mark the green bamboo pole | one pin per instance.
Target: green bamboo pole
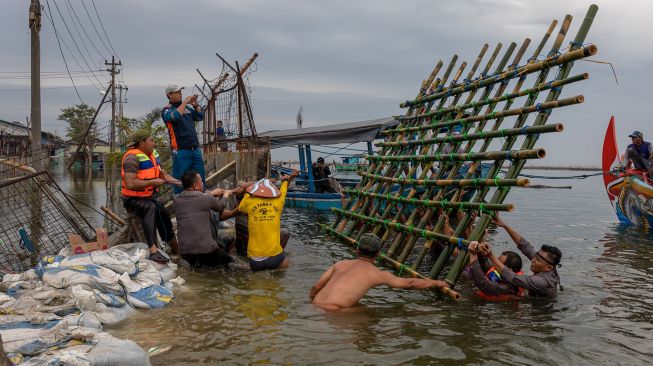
(490, 155)
(479, 135)
(399, 244)
(503, 98)
(403, 228)
(549, 62)
(552, 104)
(434, 204)
(388, 208)
(477, 182)
(411, 169)
(438, 266)
(427, 87)
(409, 244)
(541, 119)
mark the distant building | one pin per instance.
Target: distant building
(15, 141)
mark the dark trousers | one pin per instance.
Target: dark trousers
(216, 258)
(639, 162)
(153, 217)
(184, 160)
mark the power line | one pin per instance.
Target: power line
(61, 51)
(84, 29)
(75, 42)
(50, 88)
(103, 30)
(94, 27)
(62, 41)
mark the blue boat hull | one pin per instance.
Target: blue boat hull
(315, 201)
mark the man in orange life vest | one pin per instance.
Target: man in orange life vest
(141, 178)
(488, 279)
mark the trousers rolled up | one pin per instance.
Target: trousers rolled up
(639, 162)
(184, 160)
(154, 217)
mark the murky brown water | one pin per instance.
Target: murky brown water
(603, 316)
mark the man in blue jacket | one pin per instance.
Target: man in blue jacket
(640, 152)
(180, 117)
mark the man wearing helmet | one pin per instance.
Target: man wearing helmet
(263, 204)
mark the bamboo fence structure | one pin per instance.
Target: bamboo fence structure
(446, 154)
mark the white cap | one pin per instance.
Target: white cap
(173, 88)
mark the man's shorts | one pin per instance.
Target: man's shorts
(267, 263)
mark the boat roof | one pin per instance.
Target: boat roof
(349, 132)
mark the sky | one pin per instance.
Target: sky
(347, 60)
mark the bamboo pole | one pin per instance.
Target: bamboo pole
(477, 182)
(438, 266)
(541, 119)
(354, 204)
(514, 95)
(479, 135)
(540, 107)
(407, 245)
(490, 155)
(398, 239)
(396, 170)
(549, 62)
(435, 204)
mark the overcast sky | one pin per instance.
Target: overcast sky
(343, 60)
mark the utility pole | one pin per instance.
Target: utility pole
(35, 113)
(109, 168)
(114, 71)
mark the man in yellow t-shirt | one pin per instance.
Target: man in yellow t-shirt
(263, 204)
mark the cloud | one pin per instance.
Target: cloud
(343, 60)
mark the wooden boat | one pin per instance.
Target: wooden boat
(630, 191)
(304, 194)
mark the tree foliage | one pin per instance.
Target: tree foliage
(78, 118)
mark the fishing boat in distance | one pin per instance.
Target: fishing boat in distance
(630, 191)
(303, 194)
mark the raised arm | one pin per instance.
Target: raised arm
(321, 282)
(516, 237)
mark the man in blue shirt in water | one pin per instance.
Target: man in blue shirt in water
(180, 117)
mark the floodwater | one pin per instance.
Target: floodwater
(603, 316)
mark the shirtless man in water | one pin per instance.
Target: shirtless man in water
(346, 282)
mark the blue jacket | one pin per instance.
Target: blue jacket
(181, 128)
(644, 149)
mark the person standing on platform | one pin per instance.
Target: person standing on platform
(180, 117)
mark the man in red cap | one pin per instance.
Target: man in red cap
(263, 204)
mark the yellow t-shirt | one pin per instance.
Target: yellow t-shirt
(264, 223)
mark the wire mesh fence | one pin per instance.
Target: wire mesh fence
(35, 218)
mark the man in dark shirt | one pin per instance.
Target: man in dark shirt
(180, 117)
(193, 209)
(220, 136)
(545, 279)
(640, 152)
(321, 175)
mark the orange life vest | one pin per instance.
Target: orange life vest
(493, 275)
(148, 168)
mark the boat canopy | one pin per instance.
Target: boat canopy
(350, 132)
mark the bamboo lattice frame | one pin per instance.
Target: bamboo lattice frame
(424, 164)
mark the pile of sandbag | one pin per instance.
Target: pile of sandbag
(53, 314)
